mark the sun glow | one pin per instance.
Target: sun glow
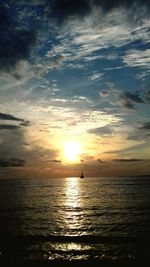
(72, 151)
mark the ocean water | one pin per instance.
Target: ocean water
(75, 219)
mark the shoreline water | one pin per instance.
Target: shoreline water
(94, 263)
(29, 251)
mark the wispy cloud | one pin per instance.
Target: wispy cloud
(105, 130)
(74, 39)
(95, 76)
(137, 58)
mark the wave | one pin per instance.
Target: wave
(91, 239)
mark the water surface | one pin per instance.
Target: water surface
(73, 218)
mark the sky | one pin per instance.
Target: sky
(74, 88)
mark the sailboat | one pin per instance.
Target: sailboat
(82, 176)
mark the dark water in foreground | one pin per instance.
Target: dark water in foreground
(73, 218)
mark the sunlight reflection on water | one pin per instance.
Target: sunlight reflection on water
(72, 192)
(72, 202)
(69, 251)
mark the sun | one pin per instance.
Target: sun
(72, 151)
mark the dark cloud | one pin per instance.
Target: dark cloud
(62, 9)
(133, 97)
(147, 96)
(105, 130)
(128, 160)
(8, 127)
(25, 123)
(108, 5)
(12, 142)
(15, 46)
(9, 117)
(127, 96)
(43, 130)
(31, 2)
(15, 144)
(16, 41)
(54, 160)
(145, 126)
(129, 105)
(100, 161)
(129, 99)
(12, 162)
(5, 20)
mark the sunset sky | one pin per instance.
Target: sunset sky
(74, 88)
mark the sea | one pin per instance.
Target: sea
(75, 219)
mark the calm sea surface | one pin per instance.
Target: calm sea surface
(73, 218)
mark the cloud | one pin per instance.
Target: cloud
(132, 97)
(15, 44)
(9, 117)
(61, 10)
(12, 162)
(137, 58)
(26, 144)
(16, 40)
(108, 5)
(104, 93)
(25, 123)
(96, 76)
(64, 9)
(12, 141)
(128, 160)
(129, 105)
(54, 160)
(100, 161)
(129, 99)
(145, 126)
(82, 42)
(134, 149)
(57, 60)
(147, 96)
(140, 132)
(8, 127)
(32, 2)
(104, 130)
(29, 29)
(4, 18)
